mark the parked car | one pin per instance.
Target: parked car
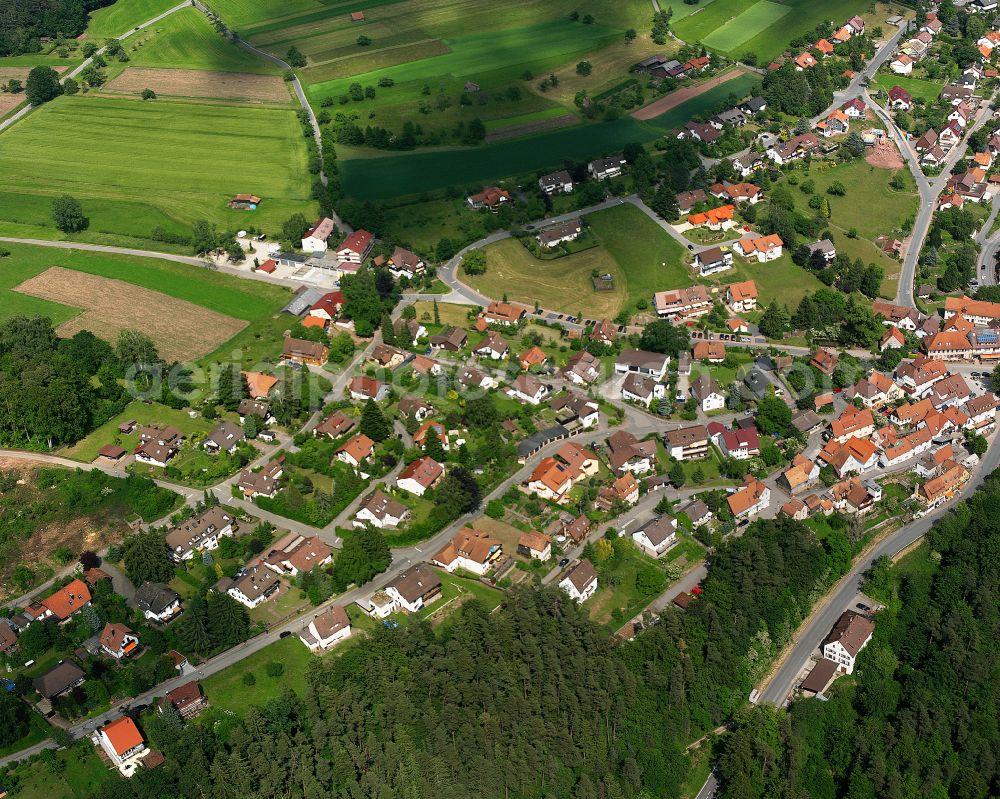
(563, 563)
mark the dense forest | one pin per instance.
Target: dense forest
(533, 701)
(920, 717)
(22, 22)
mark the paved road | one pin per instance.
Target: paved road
(86, 62)
(810, 636)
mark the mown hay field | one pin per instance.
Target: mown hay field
(161, 163)
(201, 83)
(181, 330)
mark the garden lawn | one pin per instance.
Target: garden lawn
(187, 40)
(779, 280)
(448, 313)
(74, 773)
(156, 163)
(225, 690)
(286, 602)
(38, 730)
(624, 596)
(563, 283)
(144, 413)
(649, 260)
(862, 182)
(121, 17)
(455, 590)
(919, 88)
(420, 226)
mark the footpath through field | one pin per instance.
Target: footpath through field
(674, 99)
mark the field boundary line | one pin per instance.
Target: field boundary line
(661, 105)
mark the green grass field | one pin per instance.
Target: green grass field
(756, 19)
(561, 284)
(724, 23)
(919, 88)
(779, 280)
(649, 259)
(186, 40)
(226, 690)
(400, 175)
(123, 16)
(159, 163)
(73, 773)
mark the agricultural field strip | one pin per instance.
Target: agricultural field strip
(181, 330)
(201, 83)
(751, 22)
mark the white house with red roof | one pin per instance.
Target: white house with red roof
(315, 238)
(356, 247)
(123, 744)
(328, 306)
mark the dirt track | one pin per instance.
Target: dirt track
(200, 83)
(181, 330)
(674, 99)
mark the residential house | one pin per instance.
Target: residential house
(711, 351)
(687, 443)
(536, 546)
(580, 582)
(158, 602)
(653, 364)
(409, 331)
(381, 511)
(751, 499)
(254, 587)
(403, 263)
(656, 536)
(199, 533)
(687, 200)
(492, 347)
(804, 61)
(571, 407)
(307, 353)
(226, 437)
(739, 444)
(849, 636)
(259, 386)
(122, 743)
(916, 376)
(853, 422)
(606, 168)
(503, 313)
(641, 389)
(900, 99)
(158, 445)
(387, 357)
(328, 307)
(337, 424)
(688, 303)
(795, 509)
(980, 312)
(492, 198)
(795, 148)
(557, 182)
(708, 393)
(297, 554)
(825, 361)
(356, 247)
(763, 248)
(473, 378)
(470, 550)
(720, 218)
(742, 297)
(902, 64)
(118, 641)
(746, 165)
(825, 248)
(528, 388)
(363, 387)
(582, 368)
(855, 455)
(326, 629)
(251, 407)
(627, 454)
(559, 234)
(700, 131)
(64, 602)
(944, 487)
(698, 512)
(982, 411)
(414, 589)
(892, 339)
(421, 474)
(533, 356)
(187, 700)
(63, 677)
(800, 474)
(314, 240)
(451, 339)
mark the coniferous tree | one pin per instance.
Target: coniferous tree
(373, 422)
